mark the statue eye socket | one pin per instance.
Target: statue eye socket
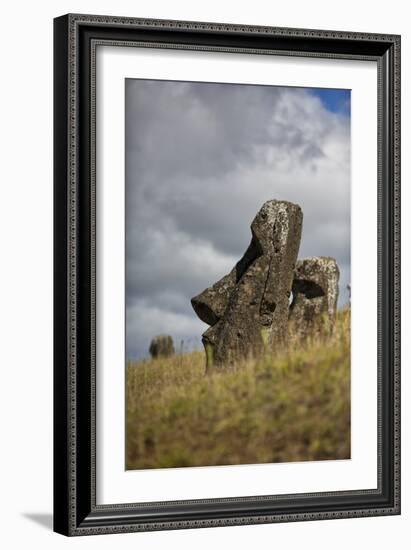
(253, 252)
(308, 288)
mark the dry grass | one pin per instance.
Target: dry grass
(293, 407)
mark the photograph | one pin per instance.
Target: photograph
(237, 274)
(226, 273)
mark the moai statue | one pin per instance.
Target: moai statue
(161, 346)
(248, 308)
(315, 294)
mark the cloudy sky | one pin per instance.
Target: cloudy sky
(201, 159)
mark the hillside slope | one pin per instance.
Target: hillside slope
(292, 407)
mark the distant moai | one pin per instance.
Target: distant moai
(315, 294)
(161, 346)
(248, 308)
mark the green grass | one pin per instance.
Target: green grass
(292, 407)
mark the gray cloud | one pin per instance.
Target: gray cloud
(201, 159)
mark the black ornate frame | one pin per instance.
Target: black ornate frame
(76, 38)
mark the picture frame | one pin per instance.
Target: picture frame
(76, 510)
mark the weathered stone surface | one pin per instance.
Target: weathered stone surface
(315, 295)
(161, 346)
(248, 308)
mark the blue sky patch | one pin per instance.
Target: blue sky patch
(336, 101)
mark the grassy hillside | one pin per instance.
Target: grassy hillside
(293, 407)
